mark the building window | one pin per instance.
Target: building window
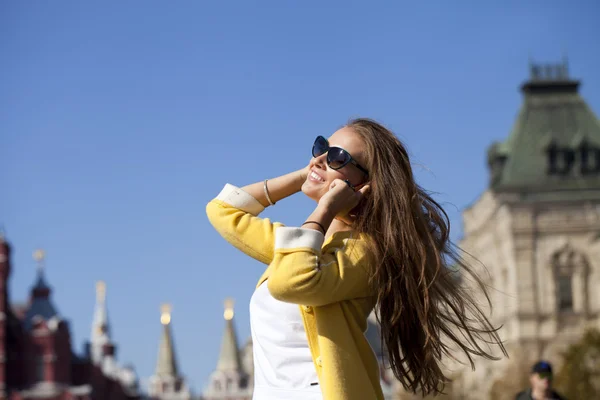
(40, 368)
(565, 292)
(217, 386)
(569, 266)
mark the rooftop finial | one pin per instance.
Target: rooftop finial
(228, 314)
(165, 314)
(549, 72)
(100, 291)
(565, 63)
(39, 256)
(2, 233)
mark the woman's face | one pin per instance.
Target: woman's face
(320, 175)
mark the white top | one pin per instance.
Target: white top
(283, 365)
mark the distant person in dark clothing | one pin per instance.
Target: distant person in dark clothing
(541, 384)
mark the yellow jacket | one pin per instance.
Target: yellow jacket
(327, 279)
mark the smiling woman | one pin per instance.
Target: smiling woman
(375, 240)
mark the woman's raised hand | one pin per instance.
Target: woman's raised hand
(341, 198)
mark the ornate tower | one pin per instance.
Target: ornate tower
(102, 351)
(167, 384)
(101, 344)
(229, 380)
(536, 227)
(47, 341)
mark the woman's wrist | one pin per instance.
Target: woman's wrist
(316, 223)
(325, 212)
(321, 218)
(275, 189)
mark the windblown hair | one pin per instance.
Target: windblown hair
(425, 314)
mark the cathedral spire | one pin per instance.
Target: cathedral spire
(40, 289)
(229, 379)
(100, 342)
(166, 364)
(229, 359)
(101, 326)
(167, 384)
(41, 306)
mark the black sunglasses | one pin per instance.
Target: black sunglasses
(336, 157)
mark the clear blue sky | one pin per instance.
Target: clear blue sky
(120, 121)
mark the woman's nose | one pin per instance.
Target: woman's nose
(320, 162)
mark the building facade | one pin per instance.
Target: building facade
(36, 357)
(537, 228)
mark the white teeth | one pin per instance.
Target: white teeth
(316, 177)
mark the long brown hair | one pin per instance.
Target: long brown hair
(424, 312)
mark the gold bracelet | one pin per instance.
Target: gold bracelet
(267, 193)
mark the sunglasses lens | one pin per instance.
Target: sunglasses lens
(320, 147)
(337, 158)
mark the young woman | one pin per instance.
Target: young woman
(375, 240)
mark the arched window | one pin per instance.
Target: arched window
(564, 285)
(217, 386)
(567, 262)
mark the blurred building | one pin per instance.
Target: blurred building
(234, 375)
(232, 379)
(167, 383)
(537, 227)
(36, 357)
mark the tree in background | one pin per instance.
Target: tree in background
(579, 377)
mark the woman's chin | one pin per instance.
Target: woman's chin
(311, 190)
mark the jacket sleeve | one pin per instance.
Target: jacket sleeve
(302, 274)
(234, 214)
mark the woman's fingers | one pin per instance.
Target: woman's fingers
(338, 182)
(343, 197)
(360, 193)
